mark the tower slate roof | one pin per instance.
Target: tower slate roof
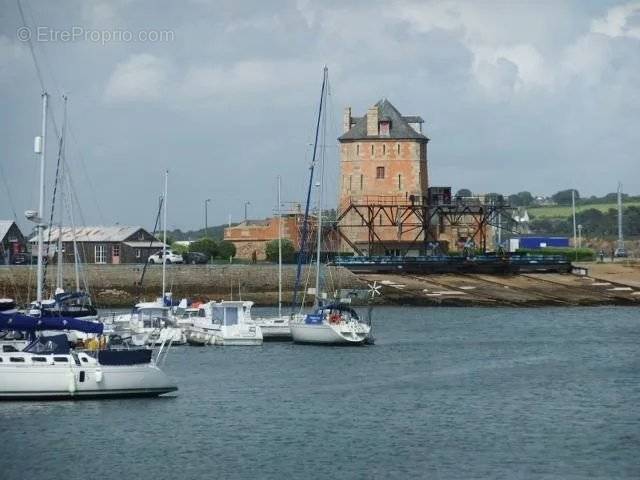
(400, 128)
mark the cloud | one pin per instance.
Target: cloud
(620, 21)
(142, 77)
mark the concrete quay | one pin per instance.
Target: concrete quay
(118, 285)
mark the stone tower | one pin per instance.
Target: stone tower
(383, 157)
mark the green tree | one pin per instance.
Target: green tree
(178, 248)
(226, 249)
(205, 245)
(288, 251)
(563, 197)
(526, 198)
(464, 192)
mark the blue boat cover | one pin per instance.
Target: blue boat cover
(18, 321)
(340, 307)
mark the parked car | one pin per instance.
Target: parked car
(621, 253)
(171, 257)
(195, 257)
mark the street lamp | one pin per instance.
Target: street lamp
(245, 210)
(579, 236)
(206, 218)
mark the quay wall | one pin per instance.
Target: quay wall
(118, 285)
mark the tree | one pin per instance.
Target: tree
(464, 192)
(226, 249)
(563, 197)
(288, 251)
(526, 198)
(514, 200)
(205, 245)
(179, 248)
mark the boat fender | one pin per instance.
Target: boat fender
(72, 381)
(334, 318)
(98, 376)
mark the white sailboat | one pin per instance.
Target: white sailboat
(334, 323)
(277, 328)
(151, 323)
(49, 369)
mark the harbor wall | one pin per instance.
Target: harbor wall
(119, 285)
(115, 286)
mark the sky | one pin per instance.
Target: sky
(538, 96)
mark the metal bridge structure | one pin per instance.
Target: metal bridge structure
(418, 222)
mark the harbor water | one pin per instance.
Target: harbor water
(444, 393)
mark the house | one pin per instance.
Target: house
(252, 236)
(12, 242)
(102, 245)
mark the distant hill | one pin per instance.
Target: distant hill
(564, 211)
(216, 232)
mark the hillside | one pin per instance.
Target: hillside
(564, 211)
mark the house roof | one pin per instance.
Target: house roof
(118, 233)
(5, 225)
(400, 128)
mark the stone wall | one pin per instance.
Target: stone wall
(118, 285)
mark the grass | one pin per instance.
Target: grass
(563, 212)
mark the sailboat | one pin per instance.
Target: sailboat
(151, 323)
(48, 367)
(331, 323)
(277, 328)
(75, 304)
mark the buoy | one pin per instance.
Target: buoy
(98, 376)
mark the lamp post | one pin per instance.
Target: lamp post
(206, 218)
(245, 210)
(579, 236)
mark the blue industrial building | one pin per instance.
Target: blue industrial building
(537, 242)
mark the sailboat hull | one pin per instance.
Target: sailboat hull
(28, 382)
(326, 334)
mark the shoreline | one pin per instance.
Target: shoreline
(117, 286)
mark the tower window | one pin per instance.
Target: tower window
(398, 149)
(361, 182)
(371, 150)
(380, 172)
(384, 149)
(399, 182)
(358, 149)
(350, 182)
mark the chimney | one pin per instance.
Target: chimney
(346, 120)
(372, 122)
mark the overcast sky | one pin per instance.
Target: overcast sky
(535, 96)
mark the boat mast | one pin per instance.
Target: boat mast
(59, 282)
(41, 149)
(76, 257)
(320, 195)
(620, 237)
(164, 236)
(279, 249)
(305, 223)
